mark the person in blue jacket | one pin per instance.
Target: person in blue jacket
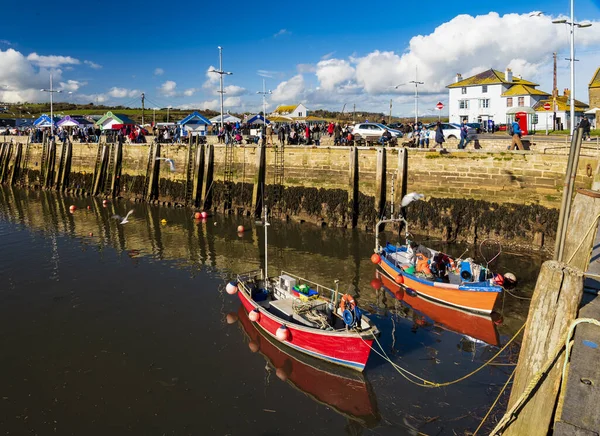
(464, 136)
(516, 135)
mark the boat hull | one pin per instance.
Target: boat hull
(480, 300)
(347, 348)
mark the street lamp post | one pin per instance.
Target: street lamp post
(572, 59)
(264, 98)
(220, 72)
(51, 91)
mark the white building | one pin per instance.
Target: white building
(560, 110)
(296, 112)
(489, 94)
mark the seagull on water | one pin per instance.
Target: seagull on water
(123, 220)
(171, 163)
(409, 198)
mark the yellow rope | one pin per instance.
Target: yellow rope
(538, 376)
(494, 403)
(594, 224)
(429, 384)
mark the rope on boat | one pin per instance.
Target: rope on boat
(306, 309)
(566, 339)
(514, 295)
(430, 384)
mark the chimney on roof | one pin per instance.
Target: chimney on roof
(508, 76)
(458, 78)
(566, 92)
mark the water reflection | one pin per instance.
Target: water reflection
(79, 293)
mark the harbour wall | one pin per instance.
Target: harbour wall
(470, 194)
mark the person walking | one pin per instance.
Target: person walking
(515, 131)
(439, 135)
(586, 126)
(464, 136)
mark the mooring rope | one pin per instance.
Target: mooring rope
(509, 415)
(430, 384)
(594, 225)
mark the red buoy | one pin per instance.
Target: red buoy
(72, 207)
(376, 284)
(240, 229)
(89, 207)
(399, 294)
(254, 347)
(231, 288)
(231, 318)
(203, 215)
(91, 234)
(197, 215)
(282, 333)
(281, 374)
(105, 202)
(376, 258)
(254, 315)
(399, 279)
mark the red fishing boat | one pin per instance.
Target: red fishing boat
(305, 315)
(474, 325)
(345, 391)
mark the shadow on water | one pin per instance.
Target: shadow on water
(122, 328)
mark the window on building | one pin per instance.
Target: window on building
(508, 101)
(484, 103)
(299, 114)
(463, 90)
(521, 101)
(463, 104)
(483, 89)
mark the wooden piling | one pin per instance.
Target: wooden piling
(581, 229)
(258, 191)
(154, 173)
(199, 176)
(553, 307)
(16, 168)
(4, 157)
(400, 189)
(209, 172)
(59, 171)
(353, 179)
(50, 164)
(100, 170)
(380, 183)
(117, 168)
(6, 163)
(67, 165)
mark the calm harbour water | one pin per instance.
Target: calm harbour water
(109, 329)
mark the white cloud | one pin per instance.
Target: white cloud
(306, 68)
(282, 32)
(122, 92)
(93, 65)
(289, 90)
(159, 72)
(190, 91)
(71, 85)
(212, 79)
(332, 72)
(327, 56)
(266, 73)
(168, 89)
(5, 42)
(234, 90)
(51, 61)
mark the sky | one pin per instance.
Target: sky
(333, 55)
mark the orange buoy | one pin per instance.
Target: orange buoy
(203, 214)
(254, 347)
(231, 288)
(72, 207)
(254, 315)
(376, 258)
(89, 207)
(231, 318)
(197, 215)
(399, 294)
(241, 229)
(105, 202)
(281, 374)
(282, 333)
(376, 284)
(91, 234)
(399, 279)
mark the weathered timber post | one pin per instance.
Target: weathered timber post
(258, 192)
(16, 168)
(581, 229)
(154, 174)
(6, 163)
(100, 170)
(208, 177)
(199, 177)
(553, 307)
(67, 165)
(59, 171)
(4, 157)
(115, 185)
(50, 163)
(353, 179)
(402, 180)
(380, 183)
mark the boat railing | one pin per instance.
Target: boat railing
(244, 277)
(319, 288)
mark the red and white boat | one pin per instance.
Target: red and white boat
(345, 391)
(305, 316)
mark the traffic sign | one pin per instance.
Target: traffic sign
(547, 106)
(440, 105)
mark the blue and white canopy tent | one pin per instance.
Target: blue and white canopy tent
(257, 119)
(44, 121)
(227, 118)
(194, 124)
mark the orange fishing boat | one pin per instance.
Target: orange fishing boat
(478, 326)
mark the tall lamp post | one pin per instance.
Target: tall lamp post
(572, 59)
(51, 91)
(264, 99)
(220, 72)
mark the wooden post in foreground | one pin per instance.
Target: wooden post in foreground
(402, 177)
(353, 180)
(553, 307)
(582, 228)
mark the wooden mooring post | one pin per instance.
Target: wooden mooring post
(380, 183)
(16, 168)
(258, 192)
(209, 172)
(115, 182)
(154, 173)
(199, 175)
(353, 189)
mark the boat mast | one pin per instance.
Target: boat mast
(266, 258)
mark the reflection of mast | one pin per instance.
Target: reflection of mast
(55, 258)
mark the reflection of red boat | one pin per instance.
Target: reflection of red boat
(345, 391)
(478, 326)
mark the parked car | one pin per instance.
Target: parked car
(374, 129)
(476, 126)
(452, 130)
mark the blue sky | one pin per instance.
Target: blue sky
(323, 54)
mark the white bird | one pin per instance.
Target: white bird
(123, 220)
(171, 163)
(536, 14)
(409, 198)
